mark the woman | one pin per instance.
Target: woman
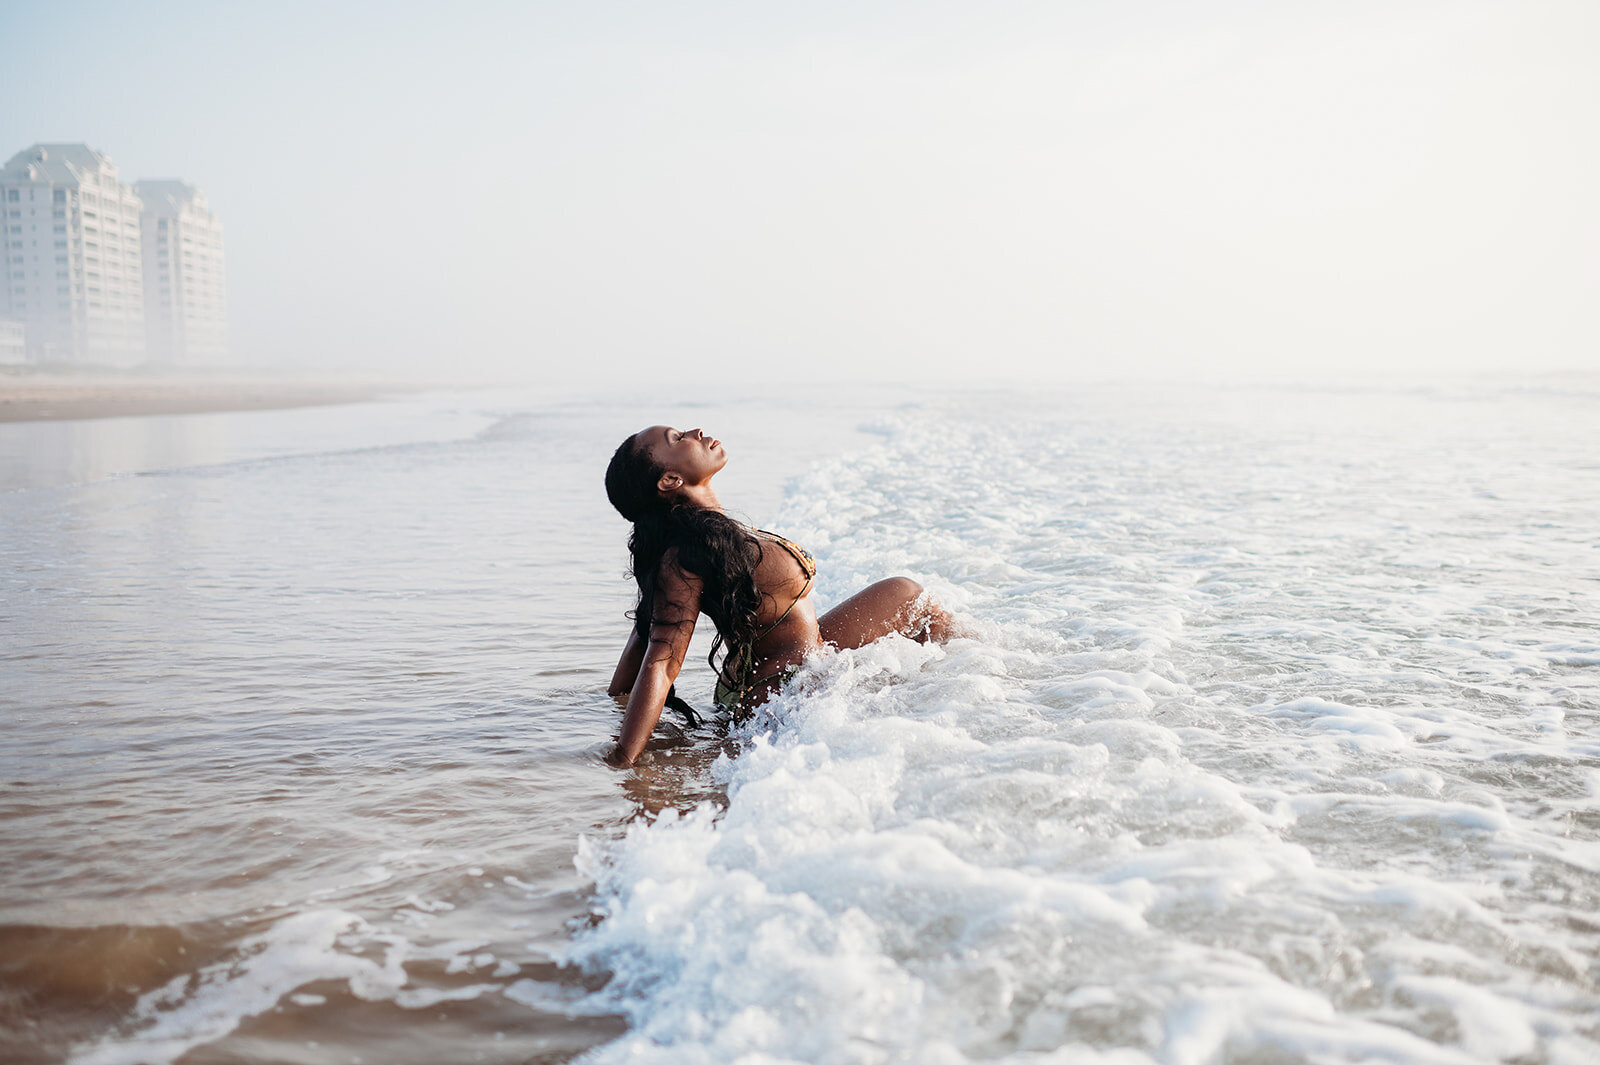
(690, 558)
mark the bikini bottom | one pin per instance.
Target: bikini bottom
(730, 699)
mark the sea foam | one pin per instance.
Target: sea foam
(1243, 756)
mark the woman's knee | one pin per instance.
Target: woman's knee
(902, 588)
(922, 617)
(881, 608)
(913, 617)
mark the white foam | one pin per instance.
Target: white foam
(1235, 721)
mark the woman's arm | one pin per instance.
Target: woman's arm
(677, 606)
(627, 666)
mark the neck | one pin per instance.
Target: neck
(700, 495)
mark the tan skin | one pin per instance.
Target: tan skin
(647, 670)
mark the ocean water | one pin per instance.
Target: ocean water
(1276, 737)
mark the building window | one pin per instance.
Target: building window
(11, 194)
(60, 196)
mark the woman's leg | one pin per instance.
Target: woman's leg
(894, 605)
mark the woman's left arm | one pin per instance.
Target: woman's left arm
(677, 606)
(627, 666)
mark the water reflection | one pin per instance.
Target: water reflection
(40, 454)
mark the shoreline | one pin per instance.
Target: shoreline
(40, 397)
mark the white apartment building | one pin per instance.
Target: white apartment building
(185, 289)
(71, 249)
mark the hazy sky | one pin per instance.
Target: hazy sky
(658, 190)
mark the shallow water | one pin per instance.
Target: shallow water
(300, 715)
(1276, 739)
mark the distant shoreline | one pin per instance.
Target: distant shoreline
(29, 397)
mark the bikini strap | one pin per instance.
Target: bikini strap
(800, 554)
(806, 588)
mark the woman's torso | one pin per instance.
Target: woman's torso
(786, 621)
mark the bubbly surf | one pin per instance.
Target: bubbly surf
(1277, 736)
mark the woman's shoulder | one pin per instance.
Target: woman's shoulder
(672, 568)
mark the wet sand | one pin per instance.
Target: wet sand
(44, 397)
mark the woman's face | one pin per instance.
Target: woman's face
(689, 453)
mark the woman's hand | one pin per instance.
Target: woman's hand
(649, 696)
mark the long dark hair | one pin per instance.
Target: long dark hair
(712, 546)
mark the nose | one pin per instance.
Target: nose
(698, 434)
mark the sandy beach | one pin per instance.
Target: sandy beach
(34, 396)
